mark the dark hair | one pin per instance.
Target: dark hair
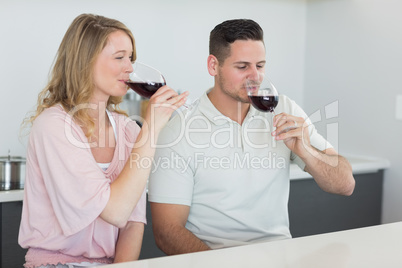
(226, 33)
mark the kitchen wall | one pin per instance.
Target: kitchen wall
(354, 57)
(170, 35)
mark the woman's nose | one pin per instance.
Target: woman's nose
(129, 67)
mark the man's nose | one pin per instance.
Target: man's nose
(255, 75)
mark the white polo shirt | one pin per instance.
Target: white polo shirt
(235, 178)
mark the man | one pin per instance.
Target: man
(221, 174)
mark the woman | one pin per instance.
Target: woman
(84, 200)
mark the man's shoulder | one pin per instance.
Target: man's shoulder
(288, 105)
(182, 124)
(172, 133)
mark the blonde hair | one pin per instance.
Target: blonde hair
(71, 80)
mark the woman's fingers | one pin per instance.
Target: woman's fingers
(167, 95)
(163, 94)
(179, 100)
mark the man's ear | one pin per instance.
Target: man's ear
(212, 64)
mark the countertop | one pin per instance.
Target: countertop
(11, 196)
(376, 246)
(360, 165)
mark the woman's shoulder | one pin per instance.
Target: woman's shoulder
(51, 115)
(53, 121)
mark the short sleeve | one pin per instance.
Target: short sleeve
(171, 180)
(316, 139)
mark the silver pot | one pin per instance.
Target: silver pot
(12, 171)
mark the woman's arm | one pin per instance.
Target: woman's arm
(127, 189)
(128, 247)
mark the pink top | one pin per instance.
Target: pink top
(66, 190)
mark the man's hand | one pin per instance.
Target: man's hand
(331, 171)
(294, 133)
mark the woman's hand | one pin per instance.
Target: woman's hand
(161, 106)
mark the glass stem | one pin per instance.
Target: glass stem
(272, 129)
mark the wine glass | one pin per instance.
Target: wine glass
(263, 96)
(262, 93)
(146, 80)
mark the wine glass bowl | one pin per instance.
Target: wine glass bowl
(262, 93)
(264, 97)
(145, 80)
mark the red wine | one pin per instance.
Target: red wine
(264, 103)
(144, 89)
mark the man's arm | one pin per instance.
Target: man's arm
(171, 235)
(331, 171)
(129, 243)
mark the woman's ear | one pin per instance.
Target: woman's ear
(213, 64)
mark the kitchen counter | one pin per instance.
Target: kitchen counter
(376, 246)
(11, 196)
(360, 165)
(311, 212)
